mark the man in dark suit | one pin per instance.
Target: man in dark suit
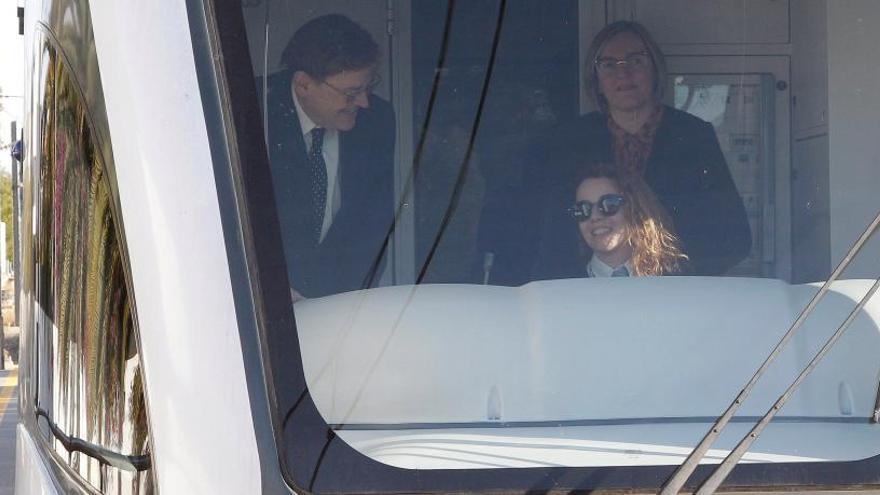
(331, 149)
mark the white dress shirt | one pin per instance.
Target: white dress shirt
(330, 150)
(598, 268)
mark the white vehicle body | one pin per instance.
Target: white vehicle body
(168, 203)
(422, 378)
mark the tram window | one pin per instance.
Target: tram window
(95, 383)
(451, 348)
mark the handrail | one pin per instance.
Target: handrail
(684, 471)
(131, 463)
(720, 473)
(875, 417)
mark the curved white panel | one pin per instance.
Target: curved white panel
(579, 356)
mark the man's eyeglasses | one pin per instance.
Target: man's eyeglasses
(352, 94)
(608, 205)
(633, 61)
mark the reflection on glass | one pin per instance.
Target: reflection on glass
(736, 106)
(477, 339)
(97, 389)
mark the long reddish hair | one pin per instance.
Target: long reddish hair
(656, 247)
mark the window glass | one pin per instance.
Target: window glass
(565, 234)
(737, 108)
(87, 320)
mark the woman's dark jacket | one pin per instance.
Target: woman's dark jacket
(686, 170)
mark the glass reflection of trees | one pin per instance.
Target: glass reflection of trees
(98, 393)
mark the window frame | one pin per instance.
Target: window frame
(306, 446)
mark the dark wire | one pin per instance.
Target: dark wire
(420, 147)
(466, 162)
(374, 268)
(330, 436)
(456, 193)
(294, 407)
(417, 159)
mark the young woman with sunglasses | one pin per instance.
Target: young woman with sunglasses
(624, 227)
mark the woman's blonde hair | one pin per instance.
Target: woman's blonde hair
(656, 248)
(658, 61)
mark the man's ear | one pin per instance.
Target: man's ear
(301, 82)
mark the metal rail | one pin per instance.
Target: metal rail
(720, 473)
(875, 418)
(684, 471)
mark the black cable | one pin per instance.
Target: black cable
(456, 193)
(374, 268)
(330, 436)
(465, 166)
(417, 159)
(370, 278)
(293, 408)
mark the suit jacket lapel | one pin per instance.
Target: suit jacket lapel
(290, 172)
(347, 180)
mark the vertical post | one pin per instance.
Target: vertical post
(2, 324)
(16, 217)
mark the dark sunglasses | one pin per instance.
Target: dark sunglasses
(608, 205)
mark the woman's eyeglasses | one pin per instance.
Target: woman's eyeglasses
(608, 205)
(633, 61)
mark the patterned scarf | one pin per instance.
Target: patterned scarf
(631, 151)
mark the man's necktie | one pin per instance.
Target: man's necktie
(319, 179)
(620, 271)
